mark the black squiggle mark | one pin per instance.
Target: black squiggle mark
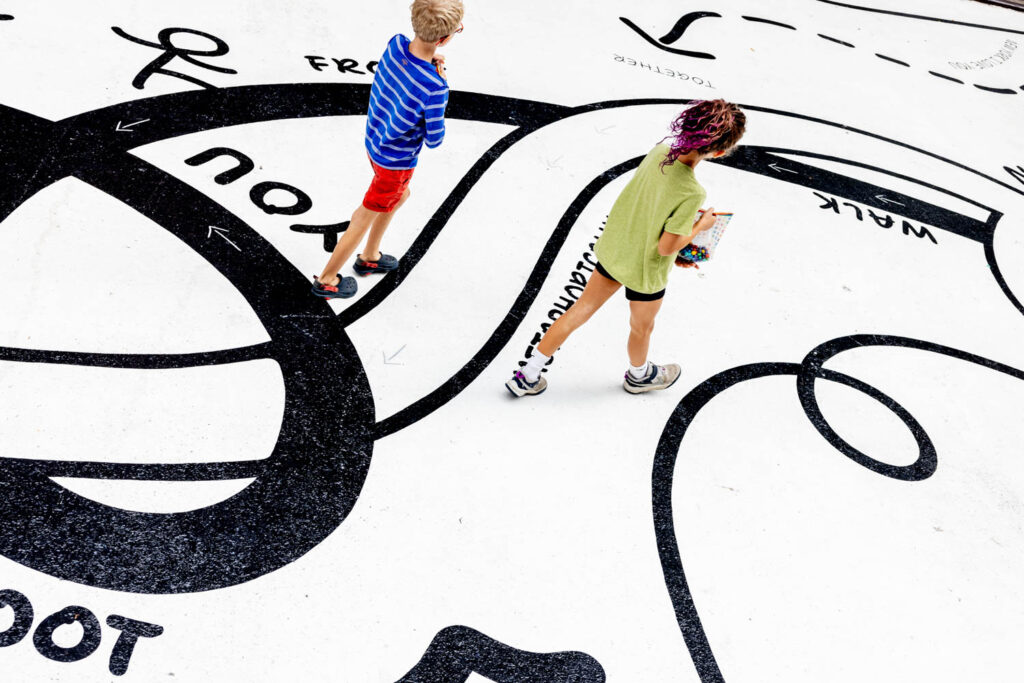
(759, 20)
(948, 78)
(890, 59)
(807, 373)
(1000, 91)
(918, 16)
(172, 51)
(459, 651)
(501, 336)
(675, 34)
(836, 40)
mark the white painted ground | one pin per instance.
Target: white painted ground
(531, 521)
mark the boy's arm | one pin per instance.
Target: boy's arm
(433, 118)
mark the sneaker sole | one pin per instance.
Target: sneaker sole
(333, 296)
(534, 393)
(643, 390)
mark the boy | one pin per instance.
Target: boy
(407, 104)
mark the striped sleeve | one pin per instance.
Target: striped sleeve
(433, 117)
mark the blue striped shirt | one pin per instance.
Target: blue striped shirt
(407, 103)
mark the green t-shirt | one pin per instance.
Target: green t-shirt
(653, 201)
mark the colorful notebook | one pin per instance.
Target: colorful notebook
(702, 247)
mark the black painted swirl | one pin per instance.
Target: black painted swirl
(807, 373)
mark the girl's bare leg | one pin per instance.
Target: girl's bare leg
(641, 325)
(598, 290)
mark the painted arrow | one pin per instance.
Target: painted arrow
(128, 128)
(387, 361)
(882, 198)
(779, 169)
(223, 233)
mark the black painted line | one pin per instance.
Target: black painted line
(1001, 91)
(138, 361)
(457, 652)
(807, 373)
(432, 230)
(890, 59)
(948, 78)
(921, 17)
(219, 471)
(508, 326)
(334, 99)
(994, 215)
(312, 478)
(836, 40)
(769, 21)
(685, 53)
(6, 17)
(993, 264)
(684, 23)
(759, 160)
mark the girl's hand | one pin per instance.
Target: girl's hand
(705, 221)
(683, 263)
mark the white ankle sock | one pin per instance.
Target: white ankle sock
(534, 365)
(641, 371)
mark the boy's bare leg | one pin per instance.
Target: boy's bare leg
(350, 239)
(380, 223)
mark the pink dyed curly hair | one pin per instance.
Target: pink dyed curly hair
(706, 127)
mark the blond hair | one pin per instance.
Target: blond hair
(432, 20)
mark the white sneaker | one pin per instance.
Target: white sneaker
(520, 386)
(658, 377)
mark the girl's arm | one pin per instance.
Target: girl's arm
(670, 243)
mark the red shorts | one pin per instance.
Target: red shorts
(387, 188)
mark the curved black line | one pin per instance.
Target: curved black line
(432, 230)
(501, 336)
(655, 43)
(138, 361)
(218, 471)
(890, 59)
(877, 169)
(806, 372)
(310, 481)
(836, 40)
(206, 109)
(948, 78)
(769, 21)
(684, 23)
(457, 652)
(993, 264)
(918, 16)
(1000, 91)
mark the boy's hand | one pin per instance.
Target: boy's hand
(706, 221)
(439, 64)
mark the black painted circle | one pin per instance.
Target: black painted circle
(306, 487)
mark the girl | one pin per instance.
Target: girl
(649, 223)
